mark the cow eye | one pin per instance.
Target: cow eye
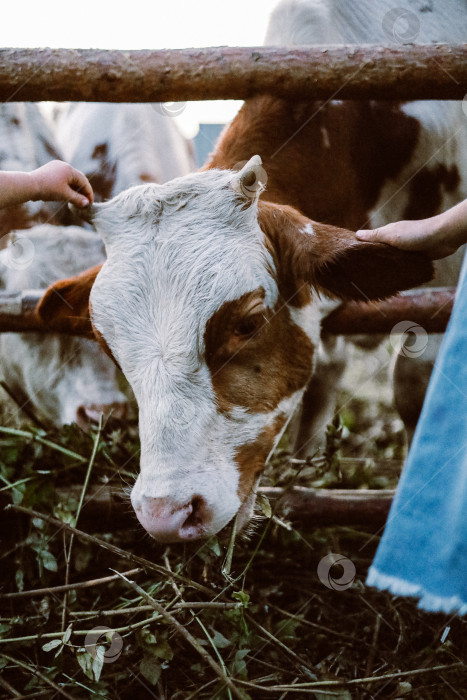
(246, 327)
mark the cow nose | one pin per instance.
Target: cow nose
(88, 414)
(168, 521)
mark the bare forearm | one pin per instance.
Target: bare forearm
(452, 224)
(16, 187)
(54, 181)
(438, 236)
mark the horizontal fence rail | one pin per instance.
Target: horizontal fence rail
(320, 72)
(429, 308)
(106, 507)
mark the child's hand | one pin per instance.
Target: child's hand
(59, 181)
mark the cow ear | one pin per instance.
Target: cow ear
(333, 261)
(249, 180)
(64, 308)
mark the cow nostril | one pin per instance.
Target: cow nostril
(167, 521)
(83, 419)
(197, 516)
(86, 415)
(117, 411)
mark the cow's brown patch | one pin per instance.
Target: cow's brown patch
(328, 160)
(19, 217)
(148, 177)
(252, 457)
(103, 174)
(259, 370)
(427, 188)
(14, 218)
(65, 304)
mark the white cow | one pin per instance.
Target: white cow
(63, 379)
(121, 145)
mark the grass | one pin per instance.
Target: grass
(207, 621)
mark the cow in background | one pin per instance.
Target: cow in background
(63, 379)
(407, 161)
(120, 145)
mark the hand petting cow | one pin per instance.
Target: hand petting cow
(27, 143)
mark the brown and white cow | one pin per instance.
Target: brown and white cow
(120, 145)
(62, 379)
(208, 303)
(209, 300)
(409, 161)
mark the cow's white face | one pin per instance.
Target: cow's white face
(189, 306)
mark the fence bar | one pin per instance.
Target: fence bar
(17, 311)
(430, 308)
(106, 508)
(318, 72)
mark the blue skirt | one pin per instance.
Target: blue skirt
(423, 551)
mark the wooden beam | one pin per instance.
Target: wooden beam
(17, 311)
(322, 507)
(428, 308)
(107, 509)
(318, 72)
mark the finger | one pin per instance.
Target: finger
(367, 235)
(80, 183)
(78, 199)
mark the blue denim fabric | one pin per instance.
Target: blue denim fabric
(423, 551)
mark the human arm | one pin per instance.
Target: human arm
(437, 236)
(55, 181)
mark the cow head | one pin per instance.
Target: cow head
(208, 303)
